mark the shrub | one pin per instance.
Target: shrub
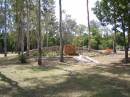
(94, 44)
(22, 58)
(34, 53)
(69, 49)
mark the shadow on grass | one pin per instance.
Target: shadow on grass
(11, 85)
(43, 68)
(37, 68)
(51, 66)
(8, 80)
(123, 60)
(5, 61)
(98, 85)
(118, 67)
(8, 61)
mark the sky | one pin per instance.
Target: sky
(77, 9)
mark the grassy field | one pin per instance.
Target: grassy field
(69, 79)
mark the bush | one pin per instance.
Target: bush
(22, 58)
(69, 49)
(106, 43)
(94, 44)
(34, 53)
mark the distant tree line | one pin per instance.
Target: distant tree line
(32, 24)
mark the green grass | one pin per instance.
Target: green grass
(70, 79)
(45, 53)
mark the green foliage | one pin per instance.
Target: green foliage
(115, 13)
(120, 39)
(35, 53)
(77, 41)
(96, 37)
(80, 29)
(51, 54)
(11, 42)
(81, 40)
(94, 44)
(106, 43)
(52, 40)
(47, 53)
(72, 32)
(22, 58)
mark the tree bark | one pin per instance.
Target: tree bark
(27, 35)
(125, 44)
(17, 9)
(5, 32)
(114, 37)
(47, 38)
(22, 30)
(114, 43)
(89, 41)
(39, 33)
(60, 30)
(129, 30)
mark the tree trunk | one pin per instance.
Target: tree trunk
(114, 43)
(27, 35)
(46, 29)
(125, 44)
(5, 32)
(114, 37)
(60, 30)
(89, 41)
(22, 31)
(39, 33)
(17, 27)
(47, 38)
(129, 29)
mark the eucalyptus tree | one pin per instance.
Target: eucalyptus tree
(33, 24)
(3, 24)
(5, 30)
(69, 26)
(128, 10)
(50, 22)
(39, 34)
(96, 34)
(124, 20)
(89, 44)
(28, 25)
(106, 12)
(60, 31)
(22, 29)
(115, 12)
(19, 6)
(80, 29)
